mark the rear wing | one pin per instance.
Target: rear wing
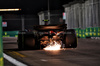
(50, 27)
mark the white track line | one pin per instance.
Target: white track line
(13, 61)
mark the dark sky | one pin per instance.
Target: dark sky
(33, 6)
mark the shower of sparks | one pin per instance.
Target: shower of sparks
(53, 46)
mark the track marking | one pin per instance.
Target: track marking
(13, 61)
(16, 53)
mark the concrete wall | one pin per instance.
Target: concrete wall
(83, 14)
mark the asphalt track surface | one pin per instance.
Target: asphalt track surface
(86, 54)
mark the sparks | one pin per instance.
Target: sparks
(53, 46)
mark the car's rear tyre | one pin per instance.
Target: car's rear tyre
(27, 41)
(70, 39)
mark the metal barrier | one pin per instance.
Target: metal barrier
(10, 33)
(88, 32)
(1, 45)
